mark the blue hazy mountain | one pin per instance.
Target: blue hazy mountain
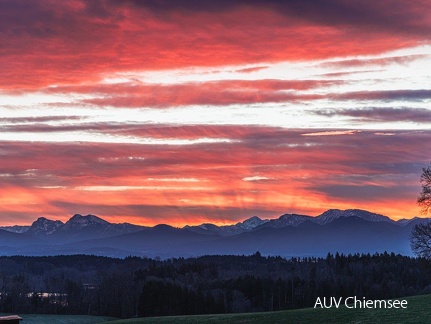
(228, 230)
(348, 231)
(16, 228)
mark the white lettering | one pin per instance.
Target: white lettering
(346, 302)
(339, 302)
(324, 302)
(328, 303)
(318, 302)
(384, 303)
(354, 302)
(358, 301)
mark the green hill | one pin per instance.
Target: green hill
(418, 311)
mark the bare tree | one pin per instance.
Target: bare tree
(420, 237)
(424, 199)
(420, 240)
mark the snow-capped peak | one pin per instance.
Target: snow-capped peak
(85, 220)
(333, 214)
(251, 223)
(292, 219)
(207, 226)
(44, 226)
(78, 222)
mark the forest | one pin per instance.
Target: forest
(137, 287)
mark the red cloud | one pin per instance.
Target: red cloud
(193, 93)
(51, 42)
(200, 181)
(227, 92)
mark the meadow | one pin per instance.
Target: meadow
(418, 311)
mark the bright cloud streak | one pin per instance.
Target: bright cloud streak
(332, 133)
(103, 138)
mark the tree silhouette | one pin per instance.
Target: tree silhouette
(420, 240)
(420, 237)
(424, 199)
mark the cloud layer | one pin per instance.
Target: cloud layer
(182, 112)
(51, 42)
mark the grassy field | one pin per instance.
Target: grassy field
(61, 319)
(418, 311)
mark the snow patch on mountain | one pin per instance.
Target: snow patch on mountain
(16, 228)
(91, 226)
(78, 221)
(43, 226)
(85, 220)
(333, 214)
(251, 223)
(285, 220)
(228, 230)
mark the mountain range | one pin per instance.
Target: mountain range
(343, 231)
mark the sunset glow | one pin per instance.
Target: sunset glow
(185, 112)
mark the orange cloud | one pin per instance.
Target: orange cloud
(49, 42)
(183, 184)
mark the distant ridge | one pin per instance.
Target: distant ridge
(77, 228)
(43, 226)
(332, 214)
(228, 230)
(255, 223)
(16, 228)
(343, 231)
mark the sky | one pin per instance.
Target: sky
(193, 111)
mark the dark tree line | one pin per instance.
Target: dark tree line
(211, 284)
